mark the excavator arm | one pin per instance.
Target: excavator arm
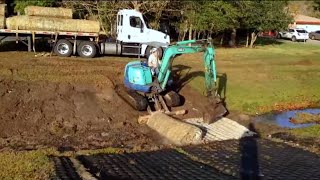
(183, 47)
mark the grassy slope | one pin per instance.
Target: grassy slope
(25, 165)
(265, 78)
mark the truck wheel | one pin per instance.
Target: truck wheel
(63, 48)
(294, 38)
(87, 49)
(313, 38)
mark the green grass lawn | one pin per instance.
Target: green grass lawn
(35, 164)
(25, 165)
(262, 79)
(312, 131)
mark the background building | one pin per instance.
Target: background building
(308, 23)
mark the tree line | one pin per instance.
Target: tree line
(187, 19)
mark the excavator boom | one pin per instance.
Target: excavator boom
(183, 48)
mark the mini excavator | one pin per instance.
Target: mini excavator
(155, 93)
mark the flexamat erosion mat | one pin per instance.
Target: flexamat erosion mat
(64, 169)
(164, 164)
(259, 157)
(249, 157)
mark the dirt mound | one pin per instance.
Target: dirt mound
(34, 114)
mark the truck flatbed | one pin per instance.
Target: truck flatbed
(49, 33)
(27, 37)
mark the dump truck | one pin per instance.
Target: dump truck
(133, 37)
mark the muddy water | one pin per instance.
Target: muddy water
(283, 119)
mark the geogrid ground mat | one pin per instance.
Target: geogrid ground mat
(64, 169)
(264, 158)
(255, 158)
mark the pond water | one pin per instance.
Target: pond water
(283, 119)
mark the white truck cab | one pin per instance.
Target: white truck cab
(132, 28)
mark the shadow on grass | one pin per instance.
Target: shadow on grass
(12, 46)
(41, 46)
(263, 41)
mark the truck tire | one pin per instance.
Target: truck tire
(87, 49)
(293, 39)
(160, 50)
(63, 48)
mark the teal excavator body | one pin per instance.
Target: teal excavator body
(138, 76)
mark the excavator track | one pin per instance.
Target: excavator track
(134, 99)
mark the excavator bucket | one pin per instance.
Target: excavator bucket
(214, 110)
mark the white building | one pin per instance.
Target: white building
(308, 23)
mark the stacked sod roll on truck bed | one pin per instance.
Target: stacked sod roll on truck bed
(39, 23)
(48, 12)
(2, 15)
(50, 19)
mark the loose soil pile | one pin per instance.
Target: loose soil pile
(36, 114)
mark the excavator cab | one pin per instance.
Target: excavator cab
(138, 76)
